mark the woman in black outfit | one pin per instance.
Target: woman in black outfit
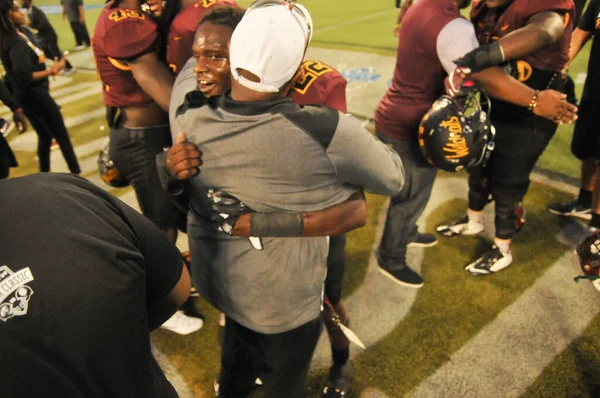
(27, 77)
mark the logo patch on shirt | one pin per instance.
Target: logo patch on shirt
(14, 292)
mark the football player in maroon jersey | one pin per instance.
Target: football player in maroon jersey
(137, 87)
(532, 39)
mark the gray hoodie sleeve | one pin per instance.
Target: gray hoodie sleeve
(185, 82)
(363, 160)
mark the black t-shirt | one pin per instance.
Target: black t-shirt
(78, 269)
(39, 21)
(21, 57)
(589, 22)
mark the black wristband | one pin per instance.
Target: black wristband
(276, 224)
(482, 57)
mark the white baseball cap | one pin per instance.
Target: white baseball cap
(270, 42)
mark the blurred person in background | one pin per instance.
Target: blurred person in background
(7, 157)
(73, 10)
(27, 79)
(46, 35)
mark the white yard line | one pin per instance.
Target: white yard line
(508, 355)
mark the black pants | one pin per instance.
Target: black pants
(51, 50)
(47, 121)
(81, 33)
(506, 176)
(281, 360)
(134, 151)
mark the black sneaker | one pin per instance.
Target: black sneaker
(571, 209)
(338, 381)
(424, 240)
(462, 226)
(491, 261)
(189, 309)
(401, 273)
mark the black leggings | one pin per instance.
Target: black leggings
(506, 177)
(45, 118)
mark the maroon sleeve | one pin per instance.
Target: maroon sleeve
(130, 35)
(180, 40)
(320, 85)
(528, 7)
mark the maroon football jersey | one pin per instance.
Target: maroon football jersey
(419, 75)
(120, 35)
(490, 26)
(320, 85)
(182, 31)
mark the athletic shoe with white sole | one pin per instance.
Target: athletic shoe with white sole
(182, 324)
(462, 226)
(492, 261)
(571, 209)
(424, 240)
(401, 274)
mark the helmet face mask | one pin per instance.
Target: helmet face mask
(108, 172)
(456, 133)
(588, 252)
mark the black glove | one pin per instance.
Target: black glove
(226, 209)
(481, 58)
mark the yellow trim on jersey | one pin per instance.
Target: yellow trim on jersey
(117, 64)
(311, 70)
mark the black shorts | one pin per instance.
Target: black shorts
(134, 151)
(586, 135)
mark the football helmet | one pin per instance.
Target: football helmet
(588, 252)
(456, 132)
(106, 167)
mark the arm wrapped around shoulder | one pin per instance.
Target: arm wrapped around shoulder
(276, 224)
(482, 58)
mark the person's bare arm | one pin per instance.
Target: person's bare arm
(154, 77)
(334, 220)
(166, 307)
(578, 40)
(550, 104)
(542, 29)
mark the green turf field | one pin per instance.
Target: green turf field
(452, 312)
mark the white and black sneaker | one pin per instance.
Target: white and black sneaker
(462, 226)
(491, 261)
(571, 209)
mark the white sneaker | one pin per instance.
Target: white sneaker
(79, 47)
(182, 324)
(462, 226)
